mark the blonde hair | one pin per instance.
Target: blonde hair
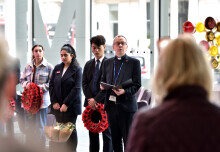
(181, 62)
(5, 67)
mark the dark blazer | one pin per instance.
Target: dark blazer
(130, 70)
(87, 80)
(185, 121)
(66, 89)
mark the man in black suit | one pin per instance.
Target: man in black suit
(91, 88)
(120, 103)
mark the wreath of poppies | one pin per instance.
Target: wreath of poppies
(95, 127)
(32, 98)
(11, 107)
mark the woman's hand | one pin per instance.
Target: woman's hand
(28, 85)
(63, 108)
(56, 106)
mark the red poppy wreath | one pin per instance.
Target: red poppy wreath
(32, 98)
(91, 126)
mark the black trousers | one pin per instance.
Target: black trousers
(71, 144)
(94, 137)
(120, 123)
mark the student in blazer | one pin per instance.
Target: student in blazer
(120, 104)
(65, 91)
(91, 89)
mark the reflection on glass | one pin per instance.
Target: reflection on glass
(71, 34)
(2, 16)
(50, 11)
(129, 18)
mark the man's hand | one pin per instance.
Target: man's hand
(101, 87)
(63, 108)
(92, 103)
(56, 106)
(119, 92)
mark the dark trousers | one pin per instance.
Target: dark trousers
(94, 137)
(120, 122)
(71, 144)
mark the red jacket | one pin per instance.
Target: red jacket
(185, 122)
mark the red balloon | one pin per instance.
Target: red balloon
(204, 44)
(188, 27)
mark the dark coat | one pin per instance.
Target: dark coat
(87, 81)
(67, 89)
(130, 70)
(185, 122)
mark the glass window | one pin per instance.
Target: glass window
(128, 18)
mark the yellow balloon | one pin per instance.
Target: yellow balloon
(218, 26)
(210, 36)
(217, 40)
(213, 50)
(214, 63)
(200, 27)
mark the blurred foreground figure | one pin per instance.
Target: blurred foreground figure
(185, 120)
(7, 89)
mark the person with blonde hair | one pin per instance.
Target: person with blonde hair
(184, 120)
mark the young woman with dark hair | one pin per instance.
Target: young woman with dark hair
(38, 71)
(65, 92)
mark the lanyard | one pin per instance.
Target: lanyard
(118, 71)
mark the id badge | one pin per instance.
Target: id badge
(112, 98)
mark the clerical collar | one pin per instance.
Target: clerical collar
(121, 58)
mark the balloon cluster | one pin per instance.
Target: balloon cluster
(212, 36)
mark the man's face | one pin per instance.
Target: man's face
(120, 46)
(98, 51)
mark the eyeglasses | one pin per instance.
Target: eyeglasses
(122, 43)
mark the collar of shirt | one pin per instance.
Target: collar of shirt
(100, 60)
(121, 58)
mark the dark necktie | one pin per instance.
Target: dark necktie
(95, 78)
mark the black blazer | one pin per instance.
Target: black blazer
(67, 89)
(130, 70)
(87, 81)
